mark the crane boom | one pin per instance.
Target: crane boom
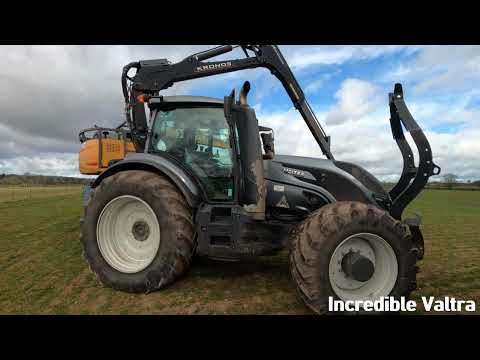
(153, 76)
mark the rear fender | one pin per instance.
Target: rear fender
(162, 166)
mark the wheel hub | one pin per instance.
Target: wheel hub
(140, 230)
(357, 266)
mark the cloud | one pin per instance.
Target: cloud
(49, 93)
(438, 68)
(317, 84)
(60, 164)
(15, 143)
(314, 86)
(356, 98)
(292, 136)
(55, 91)
(301, 57)
(358, 124)
(372, 146)
(362, 144)
(304, 58)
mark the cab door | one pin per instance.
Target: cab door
(198, 137)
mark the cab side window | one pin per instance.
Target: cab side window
(200, 139)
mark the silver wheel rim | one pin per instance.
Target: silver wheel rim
(128, 234)
(384, 277)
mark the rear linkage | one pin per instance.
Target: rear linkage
(406, 190)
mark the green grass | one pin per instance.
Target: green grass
(451, 227)
(43, 271)
(19, 192)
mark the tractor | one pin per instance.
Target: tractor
(199, 176)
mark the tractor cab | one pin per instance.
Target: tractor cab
(193, 132)
(218, 142)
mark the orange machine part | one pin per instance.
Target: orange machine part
(96, 154)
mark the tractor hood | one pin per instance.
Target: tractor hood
(341, 180)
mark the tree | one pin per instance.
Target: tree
(450, 179)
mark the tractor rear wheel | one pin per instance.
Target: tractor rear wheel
(137, 233)
(351, 251)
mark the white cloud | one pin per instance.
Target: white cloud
(432, 113)
(359, 126)
(356, 98)
(438, 68)
(292, 136)
(66, 88)
(60, 164)
(301, 57)
(317, 84)
(49, 93)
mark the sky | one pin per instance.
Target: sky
(49, 93)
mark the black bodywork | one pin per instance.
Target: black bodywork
(273, 194)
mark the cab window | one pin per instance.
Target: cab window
(199, 138)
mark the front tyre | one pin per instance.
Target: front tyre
(137, 233)
(351, 251)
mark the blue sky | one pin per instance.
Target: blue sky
(348, 87)
(319, 81)
(67, 88)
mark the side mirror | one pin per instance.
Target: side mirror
(268, 142)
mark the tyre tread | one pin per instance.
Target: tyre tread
(309, 237)
(164, 191)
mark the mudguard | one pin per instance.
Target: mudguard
(154, 163)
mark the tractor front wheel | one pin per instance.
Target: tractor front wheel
(351, 251)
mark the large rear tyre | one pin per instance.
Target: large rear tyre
(351, 251)
(137, 233)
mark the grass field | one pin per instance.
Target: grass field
(43, 272)
(17, 193)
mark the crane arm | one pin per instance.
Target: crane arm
(153, 76)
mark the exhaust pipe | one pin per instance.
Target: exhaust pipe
(253, 188)
(244, 93)
(267, 138)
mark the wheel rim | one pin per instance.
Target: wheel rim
(128, 234)
(374, 249)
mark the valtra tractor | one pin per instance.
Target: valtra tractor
(200, 176)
